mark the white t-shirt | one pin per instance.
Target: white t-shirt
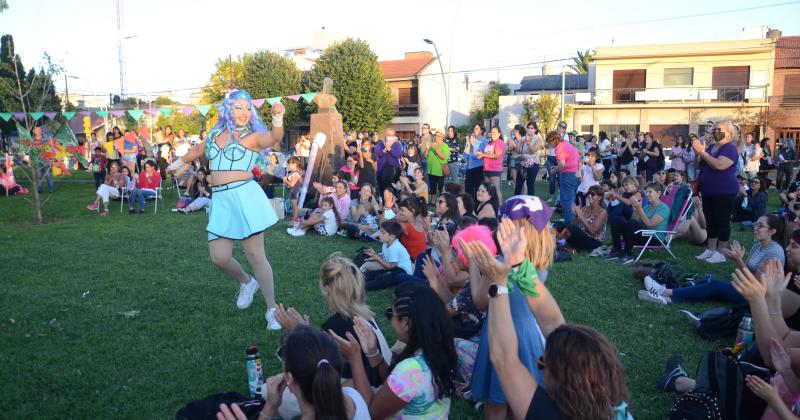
(397, 253)
(181, 148)
(588, 178)
(605, 147)
(362, 411)
(328, 227)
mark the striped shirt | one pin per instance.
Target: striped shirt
(758, 256)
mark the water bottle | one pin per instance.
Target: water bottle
(255, 372)
(707, 278)
(744, 335)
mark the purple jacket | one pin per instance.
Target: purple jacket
(392, 158)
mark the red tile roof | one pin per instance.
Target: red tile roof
(787, 52)
(399, 69)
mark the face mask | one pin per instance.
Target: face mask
(719, 135)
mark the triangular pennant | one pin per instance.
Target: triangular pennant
(273, 100)
(152, 111)
(86, 113)
(50, 115)
(165, 110)
(187, 110)
(203, 109)
(135, 113)
(68, 115)
(19, 116)
(294, 97)
(65, 136)
(37, 115)
(5, 116)
(117, 113)
(24, 135)
(308, 97)
(101, 114)
(258, 102)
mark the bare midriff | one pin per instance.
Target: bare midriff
(226, 177)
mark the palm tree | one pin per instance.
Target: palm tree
(582, 61)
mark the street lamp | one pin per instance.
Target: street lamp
(444, 83)
(66, 88)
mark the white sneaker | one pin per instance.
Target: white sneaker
(707, 253)
(272, 324)
(651, 297)
(246, 292)
(653, 286)
(716, 258)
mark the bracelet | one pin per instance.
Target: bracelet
(261, 415)
(277, 121)
(371, 355)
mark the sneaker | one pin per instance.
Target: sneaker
(613, 256)
(653, 286)
(691, 316)
(707, 253)
(93, 207)
(672, 372)
(141, 211)
(104, 213)
(132, 211)
(175, 210)
(272, 324)
(342, 232)
(651, 297)
(628, 259)
(716, 258)
(246, 292)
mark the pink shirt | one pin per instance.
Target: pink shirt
(497, 147)
(569, 154)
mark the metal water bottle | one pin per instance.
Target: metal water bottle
(255, 372)
(744, 335)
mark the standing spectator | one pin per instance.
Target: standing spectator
(302, 148)
(677, 154)
(425, 140)
(568, 160)
(149, 181)
(753, 153)
(689, 158)
(606, 150)
(438, 154)
(492, 156)
(474, 144)
(164, 151)
(651, 153)
(552, 162)
(766, 161)
(591, 174)
(367, 165)
(8, 183)
(627, 150)
(98, 163)
(452, 160)
(530, 151)
(388, 152)
(512, 152)
(718, 186)
(410, 162)
(294, 183)
(130, 150)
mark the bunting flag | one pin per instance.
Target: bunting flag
(187, 110)
(308, 97)
(258, 102)
(68, 115)
(37, 115)
(50, 115)
(118, 113)
(19, 116)
(135, 113)
(5, 116)
(101, 114)
(86, 113)
(203, 109)
(164, 110)
(151, 111)
(273, 101)
(294, 97)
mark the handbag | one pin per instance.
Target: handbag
(445, 170)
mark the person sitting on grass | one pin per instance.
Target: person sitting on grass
(488, 201)
(8, 184)
(109, 189)
(421, 382)
(418, 187)
(693, 228)
(588, 229)
(620, 203)
(324, 219)
(149, 181)
(750, 204)
(340, 195)
(654, 215)
(767, 233)
(582, 376)
(447, 212)
(466, 205)
(365, 215)
(293, 183)
(414, 220)
(202, 193)
(382, 271)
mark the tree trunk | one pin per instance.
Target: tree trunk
(37, 199)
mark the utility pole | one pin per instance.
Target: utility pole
(66, 91)
(120, 54)
(563, 83)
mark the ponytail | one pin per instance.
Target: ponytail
(423, 207)
(326, 393)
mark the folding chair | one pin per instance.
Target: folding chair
(664, 243)
(158, 195)
(125, 193)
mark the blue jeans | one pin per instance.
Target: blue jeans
(566, 193)
(552, 162)
(139, 195)
(722, 290)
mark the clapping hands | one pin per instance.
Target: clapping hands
(290, 318)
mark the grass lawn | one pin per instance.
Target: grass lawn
(125, 316)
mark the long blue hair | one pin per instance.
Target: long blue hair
(226, 120)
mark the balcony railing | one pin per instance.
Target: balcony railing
(410, 110)
(679, 94)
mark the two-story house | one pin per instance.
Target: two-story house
(784, 106)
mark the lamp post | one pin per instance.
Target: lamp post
(444, 83)
(66, 88)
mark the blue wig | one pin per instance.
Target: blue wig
(225, 109)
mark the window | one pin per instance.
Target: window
(586, 128)
(613, 129)
(731, 82)
(791, 85)
(679, 77)
(408, 96)
(626, 83)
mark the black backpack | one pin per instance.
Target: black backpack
(720, 322)
(696, 406)
(670, 276)
(207, 408)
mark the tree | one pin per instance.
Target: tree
(3, 5)
(163, 101)
(225, 77)
(266, 74)
(546, 111)
(582, 61)
(491, 102)
(363, 96)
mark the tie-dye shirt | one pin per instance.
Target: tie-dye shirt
(412, 381)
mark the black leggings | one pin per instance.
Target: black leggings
(381, 279)
(579, 239)
(388, 175)
(473, 180)
(718, 210)
(626, 229)
(437, 184)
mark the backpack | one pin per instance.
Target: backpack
(720, 322)
(695, 405)
(207, 408)
(670, 276)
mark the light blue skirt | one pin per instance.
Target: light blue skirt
(239, 210)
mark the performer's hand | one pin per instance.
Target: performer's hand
(278, 109)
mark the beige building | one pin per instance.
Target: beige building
(673, 89)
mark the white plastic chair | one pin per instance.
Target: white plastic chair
(664, 243)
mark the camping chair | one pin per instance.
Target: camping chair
(672, 230)
(125, 192)
(158, 196)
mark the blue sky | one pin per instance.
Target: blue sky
(177, 42)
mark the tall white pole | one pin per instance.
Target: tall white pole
(563, 83)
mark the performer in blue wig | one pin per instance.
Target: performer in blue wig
(240, 211)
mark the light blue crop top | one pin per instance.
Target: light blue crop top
(233, 157)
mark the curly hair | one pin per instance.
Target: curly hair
(225, 109)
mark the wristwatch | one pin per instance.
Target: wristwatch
(496, 290)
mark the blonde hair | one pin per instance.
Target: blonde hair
(342, 285)
(541, 245)
(727, 126)
(630, 180)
